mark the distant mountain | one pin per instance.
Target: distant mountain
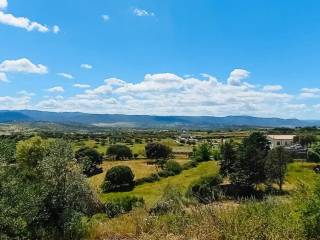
(146, 121)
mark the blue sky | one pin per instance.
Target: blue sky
(162, 57)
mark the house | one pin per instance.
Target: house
(280, 140)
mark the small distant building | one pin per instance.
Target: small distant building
(280, 140)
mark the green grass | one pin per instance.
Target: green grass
(151, 192)
(300, 172)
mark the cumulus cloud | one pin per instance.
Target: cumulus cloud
(65, 75)
(22, 65)
(171, 94)
(105, 17)
(310, 93)
(272, 88)
(3, 77)
(86, 66)
(3, 4)
(237, 75)
(22, 22)
(78, 85)
(56, 29)
(142, 13)
(14, 103)
(57, 89)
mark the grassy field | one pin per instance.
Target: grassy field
(151, 192)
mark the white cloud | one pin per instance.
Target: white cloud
(23, 65)
(78, 85)
(22, 22)
(66, 75)
(86, 66)
(272, 88)
(105, 17)
(3, 4)
(57, 89)
(56, 29)
(3, 77)
(237, 75)
(142, 13)
(26, 93)
(170, 94)
(310, 93)
(14, 103)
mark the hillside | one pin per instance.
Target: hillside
(147, 121)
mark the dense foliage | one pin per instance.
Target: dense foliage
(51, 202)
(119, 178)
(206, 189)
(158, 152)
(119, 152)
(89, 158)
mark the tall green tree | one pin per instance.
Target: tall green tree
(276, 166)
(52, 203)
(229, 157)
(203, 152)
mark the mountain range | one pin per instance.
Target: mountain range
(147, 121)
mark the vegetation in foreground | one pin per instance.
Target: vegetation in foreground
(170, 200)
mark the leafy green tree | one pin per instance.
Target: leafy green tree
(276, 166)
(88, 158)
(159, 152)
(228, 158)
(52, 203)
(247, 166)
(118, 178)
(7, 151)
(119, 152)
(305, 140)
(203, 152)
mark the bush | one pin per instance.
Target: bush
(206, 189)
(173, 166)
(165, 173)
(313, 156)
(189, 165)
(88, 158)
(122, 205)
(119, 152)
(152, 178)
(119, 178)
(159, 152)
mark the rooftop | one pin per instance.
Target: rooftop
(281, 137)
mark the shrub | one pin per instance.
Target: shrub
(152, 178)
(206, 189)
(159, 152)
(313, 156)
(165, 173)
(173, 166)
(171, 201)
(122, 205)
(189, 165)
(119, 178)
(119, 152)
(203, 152)
(88, 158)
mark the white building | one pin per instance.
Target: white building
(280, 140)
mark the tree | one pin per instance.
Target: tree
(203, 152)
(52, 203)
(158, 152)
(228, 158)
(119, 152)
(247, 166)
(88, 158)
(305, 140)
(118, 178)
(7, 151)
(276, 166)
